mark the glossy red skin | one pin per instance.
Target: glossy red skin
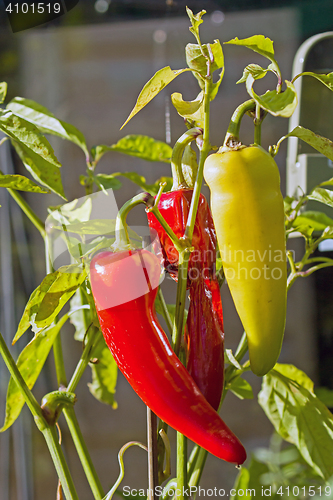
(204, 337)
(174, 207)
(144, 355)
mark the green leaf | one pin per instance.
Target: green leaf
(46, 121)
(195, 21)
(325, 395)
(301, 419)
(192, 110)
(325, 79)
(49, 297)
(241, 485)
(140, 146)
(321, 144)
(104, 375)
(41, 169)
(261, 45)
(295, 374)
(30, 363)
(322, 195)
(255, 71)
(197, 62)
(107, 181)
(157, 83)
(20, 183)
(277, 104)
(230, 358)
(3, 91)
(241, 388)
(140, 181)
(26, 134)
(317, 220)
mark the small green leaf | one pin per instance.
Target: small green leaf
(189, 166)
(255, 71)
(105, 181)
(327, 80)
(20, 183)
(321, 144)
(241, 486)
(104, 375)
(30, 363)
(325, 395)
(3, 91)
(195, 21)
(41, 169)
(46, 121)
(318, 220)
(322, 195)
(241, 388)
(277, 104)
(157, 83)
(49, 297)
(230, 358)
(197, 62)
(140, 181)
(192, 110)
(301, 419)
(140, 146)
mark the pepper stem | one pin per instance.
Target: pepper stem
(177, 154)
(122, 238)
(232, 135)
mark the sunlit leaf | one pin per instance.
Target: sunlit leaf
(322, 195)
(277, 104)
(318, 220)
(192, 110)
(140, 146)
(321, 144)
(30, 363)
(195, 21)
(20, 183)
(46, 121)
(327, 80)
(157, 83)
(295, 374)
(257, 43)
(49, 297)
(300, 418)
(255, 71)
(199, 63)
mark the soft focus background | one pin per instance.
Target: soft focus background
(88, 68)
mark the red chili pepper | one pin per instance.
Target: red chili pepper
(174, 207)
(204, 337)
(144, 355)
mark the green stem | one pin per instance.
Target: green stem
(181, 465)
(122, 239)
(180, 301)
(84, 360)
(198, 468)
(257, 126)
(37, 222)
(232, 135)
(83, 453)
(49, 433)
(59, 362)
(165, 311)
(176, 158)
(178, 244)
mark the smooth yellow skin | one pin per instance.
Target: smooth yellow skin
(248, 213)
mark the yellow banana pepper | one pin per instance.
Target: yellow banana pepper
(248, 213)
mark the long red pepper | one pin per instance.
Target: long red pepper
(204, 337)
(204, 332)
(144, 355)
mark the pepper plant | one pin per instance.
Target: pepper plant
(111, 276)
